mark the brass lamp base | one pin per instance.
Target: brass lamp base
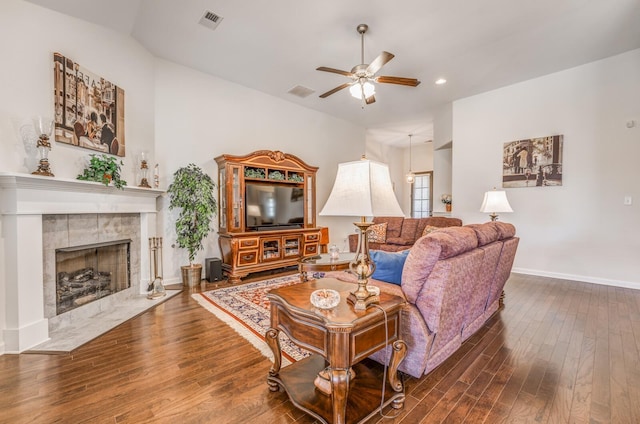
(144, 183)
(362, 304)
(363, 268)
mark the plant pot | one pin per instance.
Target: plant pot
(448, 207)
(191, 275)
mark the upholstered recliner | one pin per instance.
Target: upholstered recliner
(452, 280)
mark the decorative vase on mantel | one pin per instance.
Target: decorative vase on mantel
(448, 207)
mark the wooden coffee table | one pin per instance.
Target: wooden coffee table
(323, 263)
(339, 338)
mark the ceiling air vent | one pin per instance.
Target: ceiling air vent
(210, 19)
(301, 91)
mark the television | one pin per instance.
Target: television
(272, 206)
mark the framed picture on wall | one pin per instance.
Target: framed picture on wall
(533, 162)
(89, 110)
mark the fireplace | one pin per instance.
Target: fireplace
(89, 272)
(40, 215)
(80, 280)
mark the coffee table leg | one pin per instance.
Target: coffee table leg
(271, 336)
(339, 392)
(398, 355)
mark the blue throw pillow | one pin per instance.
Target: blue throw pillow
(388, 265)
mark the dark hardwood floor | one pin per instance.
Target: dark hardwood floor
(559, 352)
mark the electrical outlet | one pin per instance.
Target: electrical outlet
(628, 201)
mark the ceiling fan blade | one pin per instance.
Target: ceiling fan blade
(338, 88)
(335, 71)
(370, 99)
(379, 62)
(411, 82)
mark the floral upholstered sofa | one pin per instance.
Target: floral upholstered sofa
(393, 234)
(452, 280)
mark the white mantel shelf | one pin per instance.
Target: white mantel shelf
(33, 194)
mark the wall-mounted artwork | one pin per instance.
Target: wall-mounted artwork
(534, 162)
(89, 110)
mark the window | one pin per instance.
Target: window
(421, 193)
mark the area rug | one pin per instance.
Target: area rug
(245, 308)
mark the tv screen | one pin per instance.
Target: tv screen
(270, 205)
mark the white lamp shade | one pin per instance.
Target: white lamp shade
(362, 188)
(495, 201)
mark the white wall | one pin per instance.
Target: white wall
(421, 161)
(29, 35)
(581, 230)
(442, 156)
(199, 117)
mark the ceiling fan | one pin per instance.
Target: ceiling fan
(364, 75)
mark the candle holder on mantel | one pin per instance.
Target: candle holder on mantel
(144, 170)
(43, 127)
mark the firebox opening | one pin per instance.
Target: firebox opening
(90, 272)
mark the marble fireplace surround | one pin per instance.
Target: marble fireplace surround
(72, 230)
(32, 205)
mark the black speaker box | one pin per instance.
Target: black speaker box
(213, 269)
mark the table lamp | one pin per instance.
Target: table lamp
(495, 201)
(362, 188)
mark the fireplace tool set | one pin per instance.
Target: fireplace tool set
(156, 288)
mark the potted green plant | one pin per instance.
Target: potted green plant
(103, 169)
(192, 191)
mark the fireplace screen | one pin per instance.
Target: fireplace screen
(90, 272)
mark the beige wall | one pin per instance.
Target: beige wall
(581, 230)
(29, 35)
(199, 117)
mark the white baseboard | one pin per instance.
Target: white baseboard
(582, 278)
(171, 281)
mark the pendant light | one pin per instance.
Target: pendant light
(410, 176)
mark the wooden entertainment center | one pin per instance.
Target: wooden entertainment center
(267, 214)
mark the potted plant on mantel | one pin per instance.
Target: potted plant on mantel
(192, 192)
(103, 169)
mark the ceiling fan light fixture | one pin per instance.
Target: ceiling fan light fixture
(358, 89)
(363, 75)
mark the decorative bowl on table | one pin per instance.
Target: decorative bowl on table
(325, 298)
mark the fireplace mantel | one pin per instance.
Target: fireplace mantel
(34, 194)
(24, 199)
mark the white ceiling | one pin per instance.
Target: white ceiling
(272, 46)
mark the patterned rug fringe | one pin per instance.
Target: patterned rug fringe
(245, 309)
(239, 328)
